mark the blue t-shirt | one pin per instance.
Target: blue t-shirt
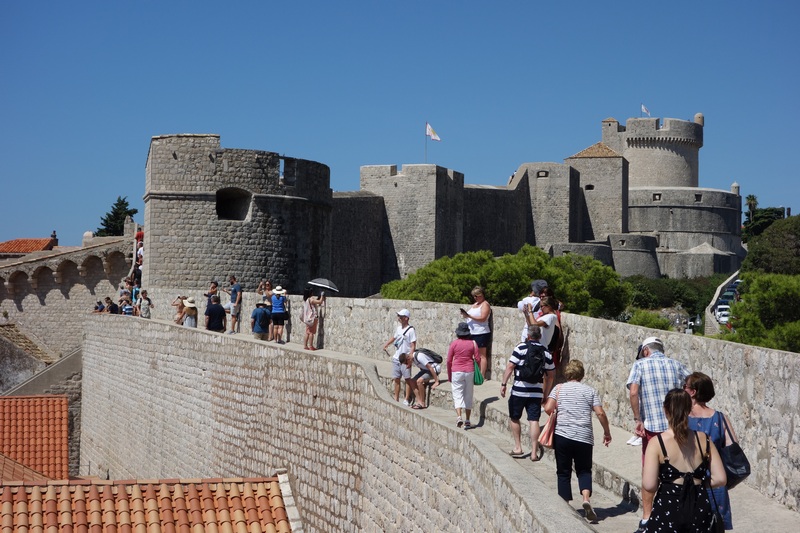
(278, 304)
(235, 290)
(260, 314)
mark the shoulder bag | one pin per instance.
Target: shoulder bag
(549, 429)
(737, 467)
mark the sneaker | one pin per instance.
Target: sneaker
(231, 332)
(467, 425)
(635, 441)
(588, 512)
(405, 402)
(642, 527)
(459, 422)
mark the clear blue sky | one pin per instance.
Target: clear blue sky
(85, 85)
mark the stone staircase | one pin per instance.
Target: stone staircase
(13, 334)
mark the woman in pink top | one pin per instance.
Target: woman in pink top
(461, 358)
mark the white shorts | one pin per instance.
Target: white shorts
(400, 370)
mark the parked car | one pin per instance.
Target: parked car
(723, 318)
(722, 310)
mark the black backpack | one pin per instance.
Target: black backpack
(264, 319)
(430, 353)
(531, 368)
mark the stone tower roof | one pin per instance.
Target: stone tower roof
(596, 150)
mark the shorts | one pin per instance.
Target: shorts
(312, 328)
(234, 309)
(481, 339)
(261, 336)
(424, 374)
(278, 319)
(532, 405)
(400, 370)
(646, 440)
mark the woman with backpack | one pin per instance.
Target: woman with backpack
(677, 467)
(311, 316)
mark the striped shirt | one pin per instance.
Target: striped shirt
(656, 376)
(525, 389)
(576, 403)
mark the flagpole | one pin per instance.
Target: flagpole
(426, 143)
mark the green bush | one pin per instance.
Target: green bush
(649, 320)
(582, 284)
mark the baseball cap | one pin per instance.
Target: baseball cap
(404, 312)
(649, 340)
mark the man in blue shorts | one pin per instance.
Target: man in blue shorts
(526, 395)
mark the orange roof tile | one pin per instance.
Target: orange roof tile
(26, 246)
(254, 504)
(34, 432)
(596, 150)
(11, 470)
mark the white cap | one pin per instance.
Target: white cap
(653, 340)
(404, 312)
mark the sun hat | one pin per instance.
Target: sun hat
(189, 302)
(279, 290)
(261, 304)
(462, 330)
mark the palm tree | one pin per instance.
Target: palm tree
(752, 204)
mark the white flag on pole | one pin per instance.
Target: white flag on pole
(431, 133)
(645, 110)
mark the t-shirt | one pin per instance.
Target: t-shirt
(576, 403)
(422, 360)
(403, 337)
(127, 309)
(260, 314)
(533, 301)
(216, 317)
(144, 307)
(235, 290)
(525, 389)
(113, 308)
(278, 304)
(547, 332)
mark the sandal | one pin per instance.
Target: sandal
(517, 455)
(417, 406)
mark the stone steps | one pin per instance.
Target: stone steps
(13, 334)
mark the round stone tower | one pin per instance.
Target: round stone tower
(212, 212)
(661, 155)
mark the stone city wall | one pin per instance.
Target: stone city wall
(356, 254)
(16, 365)
(187, 403)
(759, 389)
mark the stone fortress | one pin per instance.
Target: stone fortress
(632, 201)
(228, 405)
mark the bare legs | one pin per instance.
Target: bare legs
(516, 432)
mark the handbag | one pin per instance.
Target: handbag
(477, 378)
(549, 429)
(737, 467)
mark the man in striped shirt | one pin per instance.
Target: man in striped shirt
(527, 396)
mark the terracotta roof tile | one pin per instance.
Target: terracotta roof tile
(27, 246)
(34, 432)
(596, 150)
(254, 504)
(11, 470)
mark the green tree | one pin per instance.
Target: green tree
(757, 221)
(113, 223)
(768, 314)
(582, 284)
(777, 250)
(752, 202)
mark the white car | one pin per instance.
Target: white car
(723, 317)
(720, 310)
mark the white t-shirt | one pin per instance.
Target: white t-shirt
(547, 332)
(532, 300)
(403, 337)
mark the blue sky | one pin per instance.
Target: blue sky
(85, 85)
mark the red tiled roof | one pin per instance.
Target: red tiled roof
(11, 470)
(26, 246)
(224, 505)
(34, 432)
(596, 150)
